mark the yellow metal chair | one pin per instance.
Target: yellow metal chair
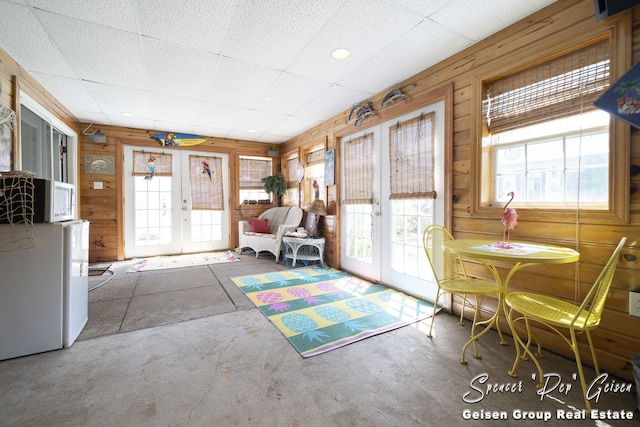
(560, 315)
(451, 277)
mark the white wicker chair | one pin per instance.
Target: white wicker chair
(280, 221)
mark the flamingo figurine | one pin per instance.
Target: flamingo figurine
(509, 219)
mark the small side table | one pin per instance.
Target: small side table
(304, 249)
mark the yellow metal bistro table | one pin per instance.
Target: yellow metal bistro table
(520, 254)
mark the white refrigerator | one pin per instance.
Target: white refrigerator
(44, 289)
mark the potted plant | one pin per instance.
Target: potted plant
(276, 185)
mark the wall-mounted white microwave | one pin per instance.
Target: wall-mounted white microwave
(37, 201)
(59, 201)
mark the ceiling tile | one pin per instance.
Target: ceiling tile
(332, 102)
(210, 130)
(35, 52)
(200, 24)
(259, 121)
(218, 115)
(90, 117)
(290, 92)
(272, 32)
(70, 92)
(227, 66)
(243, 135)
(502, 14)
(117, 14)
(173, 109)
(294, 125)
(424, 8)
(180, 71)
(97, 53)
(114, 100)
(378, 24)
(163, 125)
(424, 46)
(271, 138)
(132, 122)
(239, 83)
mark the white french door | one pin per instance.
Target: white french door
(163, 206)
(381, 238)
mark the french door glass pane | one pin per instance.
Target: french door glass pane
(409, 218)
(206, 226)
(359, 235)
(153, 210)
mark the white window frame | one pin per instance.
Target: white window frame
(497, 197)
(72, 136)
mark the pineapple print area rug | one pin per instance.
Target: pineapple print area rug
(321, 309)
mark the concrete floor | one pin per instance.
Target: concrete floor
(185, 347)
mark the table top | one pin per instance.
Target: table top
(518, 251)
(308, 240)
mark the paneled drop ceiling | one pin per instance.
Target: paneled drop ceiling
(258, 70)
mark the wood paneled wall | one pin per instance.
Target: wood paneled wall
(617, 338)
(103, 208)
(563, 23)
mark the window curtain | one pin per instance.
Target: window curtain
(252, 170)
(292, 179)
(150, 163)
(315, 158)
(358, 170)
(563, 86)
(205, 178)
(412, 158)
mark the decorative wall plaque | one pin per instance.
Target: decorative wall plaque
(329, 167)
(99, 165)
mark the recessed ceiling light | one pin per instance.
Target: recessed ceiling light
(124, 113)
(340, 53)
(251, 130)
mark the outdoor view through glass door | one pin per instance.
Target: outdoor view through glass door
(176, 201)
(392, 175)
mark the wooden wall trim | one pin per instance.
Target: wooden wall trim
(120, 203)
(16, 161)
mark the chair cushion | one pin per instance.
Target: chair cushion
(261, 235)
(259, 225)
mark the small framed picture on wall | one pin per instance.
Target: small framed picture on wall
(329, 167)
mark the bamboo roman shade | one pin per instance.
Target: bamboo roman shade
(252, 170)
(563, 86)
(315, 158)
(358, 170)
(292, 179)
(411, 155)
(205, 178)
(147, 163)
